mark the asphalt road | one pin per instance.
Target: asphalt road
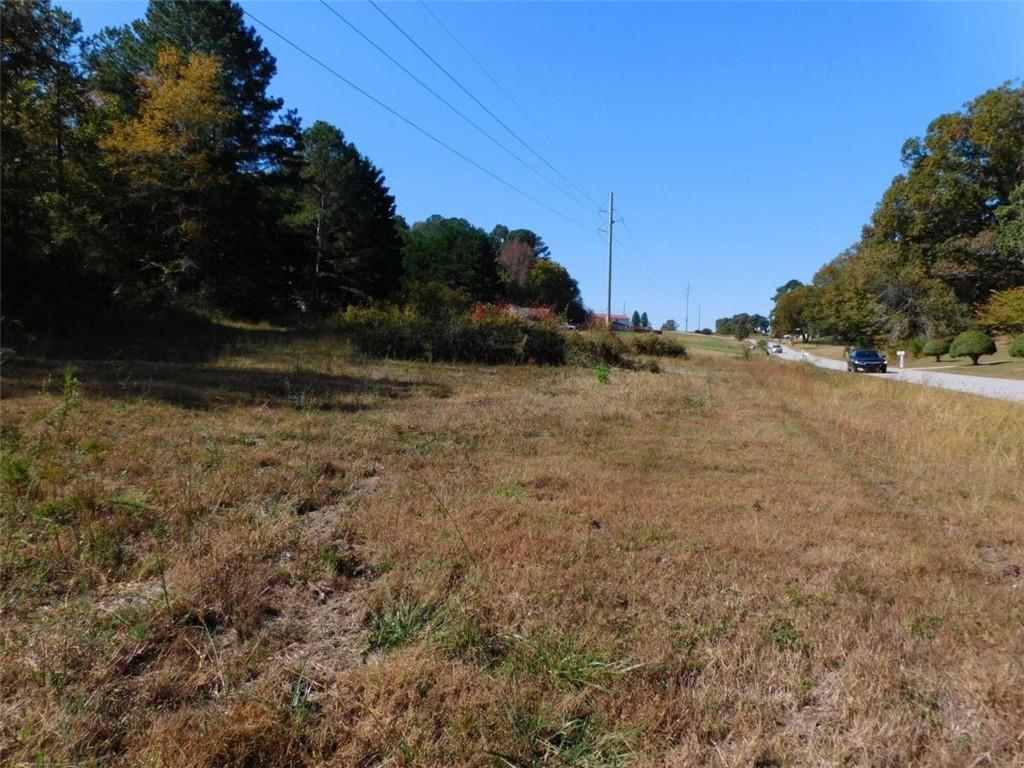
(1001, 389)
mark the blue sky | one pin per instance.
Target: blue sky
(746, 143)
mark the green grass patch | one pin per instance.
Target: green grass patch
(538, 740)
(565, 660)
(398, 624)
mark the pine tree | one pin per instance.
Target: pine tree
(349, 216)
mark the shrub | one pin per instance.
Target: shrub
(1004, 311)
(659, 346)
(915, 347)
(485, 338)
(972, 344)
(589, 349)
(936, 347)
(1017, 347)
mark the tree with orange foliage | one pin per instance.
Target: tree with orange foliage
(170, 156)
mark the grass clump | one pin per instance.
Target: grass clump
(565, 660)
(926, 626)
(398, 624)
(539, 740)
(781, 633)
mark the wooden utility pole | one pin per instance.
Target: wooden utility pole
(686, 322)
(611, 223)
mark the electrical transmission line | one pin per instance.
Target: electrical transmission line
(452, 107)
(477, 101)
(509, 96)
(639, 250)
(413, 124)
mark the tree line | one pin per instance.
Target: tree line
(741, 325)
(944, 243)
(148, 172)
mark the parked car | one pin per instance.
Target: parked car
(775, 349)
(866, 361)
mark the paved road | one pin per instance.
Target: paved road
(1001, 389)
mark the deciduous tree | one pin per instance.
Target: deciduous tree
(972, 344)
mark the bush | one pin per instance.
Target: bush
(590, 349)
(1004, 311)
(972, 344)
(1017, 347)
(659, 346)
(936, 347)
(915, 347)
(408, 335)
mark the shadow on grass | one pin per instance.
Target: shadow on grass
(201, 387)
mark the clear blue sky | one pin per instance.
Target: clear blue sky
(746, 143)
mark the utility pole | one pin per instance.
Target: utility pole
(698, 317)
(686, 322)
(611, 223)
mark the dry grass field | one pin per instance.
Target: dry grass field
(286, 556)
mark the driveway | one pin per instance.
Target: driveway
(1001, 389)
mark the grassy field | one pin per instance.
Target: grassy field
(698, 343)
(999, 365)
(286, 556)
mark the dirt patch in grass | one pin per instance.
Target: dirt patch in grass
(727, 563)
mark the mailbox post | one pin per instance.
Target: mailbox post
(900, 353)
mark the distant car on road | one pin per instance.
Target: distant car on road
(775, 349)
(866, 361)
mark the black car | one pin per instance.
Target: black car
(866, 360)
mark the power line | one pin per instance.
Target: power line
(508, 95)
(639, 250)
(412, 124)
(634, 267)
(479, 103)
(451, 106)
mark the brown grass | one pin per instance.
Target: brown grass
(288, 557)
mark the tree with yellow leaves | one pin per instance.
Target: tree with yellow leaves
(171, 155)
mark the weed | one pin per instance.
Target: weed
(693, 402)
(565, 660)
(510, 489)
(398, 624)
(926, 626)
(855, 584)
(717, 629)
(137, 622)
(781, 632)
(581, 742)
(602, 373)
(464, 636)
